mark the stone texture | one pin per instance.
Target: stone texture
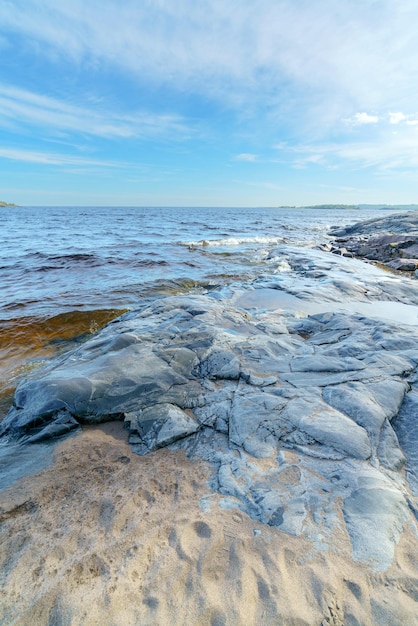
(391, 240)
(158, 425)
(307, 416)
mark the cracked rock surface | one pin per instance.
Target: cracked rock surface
(305, 420)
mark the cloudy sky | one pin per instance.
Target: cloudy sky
(209, 102)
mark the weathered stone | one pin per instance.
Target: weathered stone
(159, 425)
(220, 363)
(405, 427)
(255, 423)
(403, 264)
(376, 510)
(393, 223)
(388, 451)
(62, 425)
(392, 240)
(328, 427)
(291, 411)
(410, 252)
(319, 363)
(368, 405)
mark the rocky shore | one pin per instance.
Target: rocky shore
(392, 241)
(244, 456)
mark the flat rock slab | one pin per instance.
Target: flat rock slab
(279, 405)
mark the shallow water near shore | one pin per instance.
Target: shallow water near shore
(66, 271)
(55, 260)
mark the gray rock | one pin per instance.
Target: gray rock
(391, 240)
(290, 411)
(405, 425)
(62, 425)
(256, 423)
(219, 363)
(394, 223)
(328, 427)
(319, 363)
(376, 511)
(372, 406)
(389, 453)
(403, 264)
(159, 425)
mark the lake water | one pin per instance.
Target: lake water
(67, 271)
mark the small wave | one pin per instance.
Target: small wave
(321, 227)
(282, 266)
(63, 261)
(232, 241)
(150, 263)
(75, 256)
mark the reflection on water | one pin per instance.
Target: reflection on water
(274, 299)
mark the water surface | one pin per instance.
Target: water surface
(67, 271)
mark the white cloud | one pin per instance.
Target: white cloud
(28, 108)
(309, 159)
(396, 118)
(246, 156)
(363, 118)
(387, 152)
(49, 158)
(313, 52)
(281, 145)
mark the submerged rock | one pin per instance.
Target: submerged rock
(280, 406)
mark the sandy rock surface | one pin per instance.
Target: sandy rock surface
(108, 537)
(245, 456)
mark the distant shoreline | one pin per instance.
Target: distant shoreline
(380, 207)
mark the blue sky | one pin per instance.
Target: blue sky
(209, 102)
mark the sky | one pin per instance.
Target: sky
(209, 102)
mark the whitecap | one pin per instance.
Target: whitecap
(232, 241)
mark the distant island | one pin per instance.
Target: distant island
(6, 204)
(388, 207)
(333, 206)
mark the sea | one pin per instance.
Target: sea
(65, 272)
